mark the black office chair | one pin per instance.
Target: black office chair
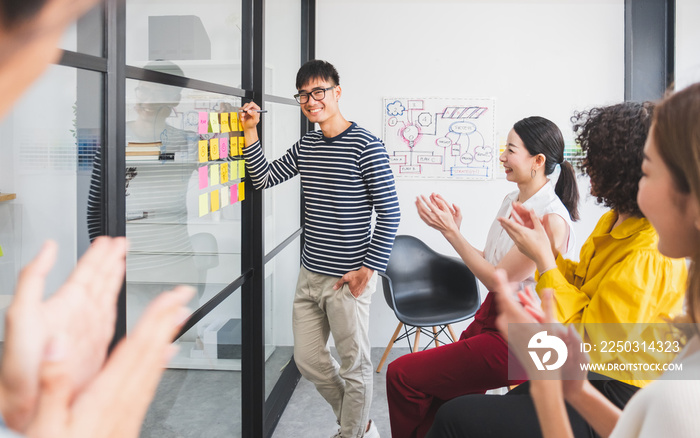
(426, 289)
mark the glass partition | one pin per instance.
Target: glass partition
(282, 46)
(282, 202)
(87, 34)
(280, 283)
(196, 403)
(48, 143)
(203, 37)
(183, 207)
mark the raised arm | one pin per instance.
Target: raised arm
(548, 394)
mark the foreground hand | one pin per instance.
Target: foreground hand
(81, 313)
(512, 312)
(356, 280)
(113, 404)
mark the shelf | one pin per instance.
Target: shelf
(7, 196)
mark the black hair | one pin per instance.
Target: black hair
(317, 69)
(15, 11)
(612, 138)
(542, 136)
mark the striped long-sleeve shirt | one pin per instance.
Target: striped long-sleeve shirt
(343, 179)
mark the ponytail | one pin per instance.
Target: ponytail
(567, 189)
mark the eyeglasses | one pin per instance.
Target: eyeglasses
(317, 94)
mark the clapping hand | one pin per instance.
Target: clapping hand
(436, 212)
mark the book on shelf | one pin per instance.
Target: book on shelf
(142, 157)
(168, 156)
(130, 153)
(144, 143)
(143, 149)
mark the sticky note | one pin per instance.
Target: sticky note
(234, 193)
(224, 123)
(233, 171)
(225, 197)
(203, 151)
(214, 122)
(224, 173)
(215, 200)
(203, 177)
(233, 146)
(214, 168)
(203, 122)
(233, 120)
(203, 204)
(241, 168)
(241, 191)
(223, 147)
(240, 124)
(214, 149)
(241, 145)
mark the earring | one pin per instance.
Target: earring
(533, 172)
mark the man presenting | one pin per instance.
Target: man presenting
(345, 175)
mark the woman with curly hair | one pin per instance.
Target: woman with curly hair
(621, 276)
(669, 196)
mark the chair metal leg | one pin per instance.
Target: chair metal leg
(435, 336)
(415, 344)
(388, 347)
(452, 333)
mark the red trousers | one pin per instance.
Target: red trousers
(418, 384)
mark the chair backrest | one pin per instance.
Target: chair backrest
(415, 273)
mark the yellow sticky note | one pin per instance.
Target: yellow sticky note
(240, 124)
(214, 148)
(214, 122)
(214, 177)
(225, 197)
(203, 204)
(233, 146)
(215, 200)
(224, 123)
(233, 171)
(241, 191)
(241, 168)
(233, 119)
(224, 173)
(203, 151)
(241, 145)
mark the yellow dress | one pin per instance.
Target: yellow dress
(621, 278)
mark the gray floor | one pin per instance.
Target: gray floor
(206, 404)
(308, 415)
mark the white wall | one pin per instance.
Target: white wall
(544, 57)
(687, 42)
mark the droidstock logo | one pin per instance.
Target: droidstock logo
(543, 342)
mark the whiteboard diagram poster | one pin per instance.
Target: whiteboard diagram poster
(440, 138)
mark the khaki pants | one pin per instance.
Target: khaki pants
(319, 311)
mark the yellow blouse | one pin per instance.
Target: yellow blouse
(621, 278)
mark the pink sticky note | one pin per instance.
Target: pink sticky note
(234, 193)
(203, 122)
(203, 177)
(223, 147)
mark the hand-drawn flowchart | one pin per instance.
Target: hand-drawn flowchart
(441, 138)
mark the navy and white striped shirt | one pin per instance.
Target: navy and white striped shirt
(343, 178)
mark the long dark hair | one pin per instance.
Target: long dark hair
(542, 136)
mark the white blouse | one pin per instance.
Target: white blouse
(544, 202)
